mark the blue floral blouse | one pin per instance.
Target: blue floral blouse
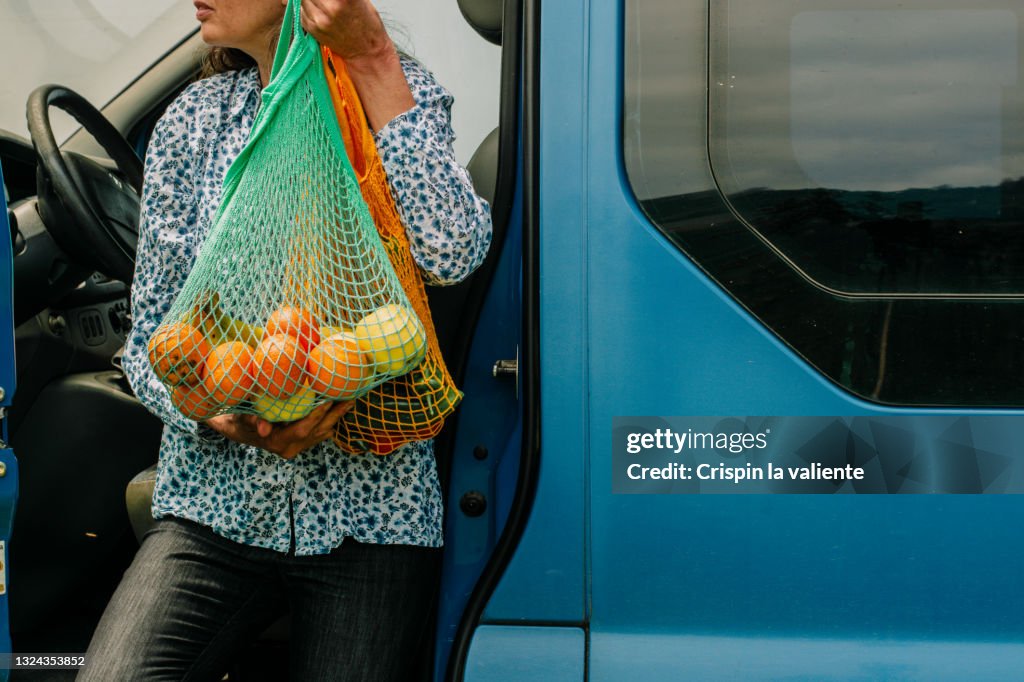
(324, 495)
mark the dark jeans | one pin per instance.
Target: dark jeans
(192, 600)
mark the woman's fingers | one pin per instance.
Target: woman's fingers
(330, 420)
(351, 28)
(326, 421)
(334, 8)
(300, 430)
(263, 427)
(291, 439)
(290, 452)
(284, 440)
(319, 17)
(313, 18)
(237, 427)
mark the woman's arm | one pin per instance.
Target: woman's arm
(354, 31)
(448, 225)
(166, 251)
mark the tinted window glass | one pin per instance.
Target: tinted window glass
(875, 148)
(852, 174)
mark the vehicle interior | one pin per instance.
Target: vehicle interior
(87, 448)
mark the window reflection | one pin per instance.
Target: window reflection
(877, 149)
(850, 173)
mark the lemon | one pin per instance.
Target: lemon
(287, 409)
(393, 336)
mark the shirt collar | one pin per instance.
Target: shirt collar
(247, 92)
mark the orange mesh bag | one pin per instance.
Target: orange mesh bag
(413, 406)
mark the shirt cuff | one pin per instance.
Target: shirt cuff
(204, 432)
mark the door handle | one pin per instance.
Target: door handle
(505, 368)
(508, 368)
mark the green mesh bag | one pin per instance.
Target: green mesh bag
(292, 300)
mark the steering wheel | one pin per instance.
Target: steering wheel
(91, 211)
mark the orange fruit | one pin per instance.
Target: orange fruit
(296, 322)
(194, 402)
(339, 368)
(228, 376)
(382, 443)
(279, 363)
(177, 352)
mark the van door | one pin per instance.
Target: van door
(780, 211)
(807, 211)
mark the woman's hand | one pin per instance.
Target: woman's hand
(286, 440)
(353, 30)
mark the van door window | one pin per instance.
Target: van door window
(852, 174)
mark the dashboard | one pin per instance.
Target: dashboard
(43, 273)
(68, 319)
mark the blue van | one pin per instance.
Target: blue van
(799, 215)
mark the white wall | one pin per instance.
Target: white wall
(435, 33)
(95, 47)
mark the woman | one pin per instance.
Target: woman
(254, 517)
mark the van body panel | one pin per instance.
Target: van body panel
(544, 582)
(679, 584)
(621, 656)
(526, 654)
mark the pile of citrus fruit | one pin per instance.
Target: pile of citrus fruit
(212, 364)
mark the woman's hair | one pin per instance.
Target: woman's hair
(222, 59)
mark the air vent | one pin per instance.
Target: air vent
(93, 330)
(120, 320)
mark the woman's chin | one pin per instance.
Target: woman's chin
(210, 35)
